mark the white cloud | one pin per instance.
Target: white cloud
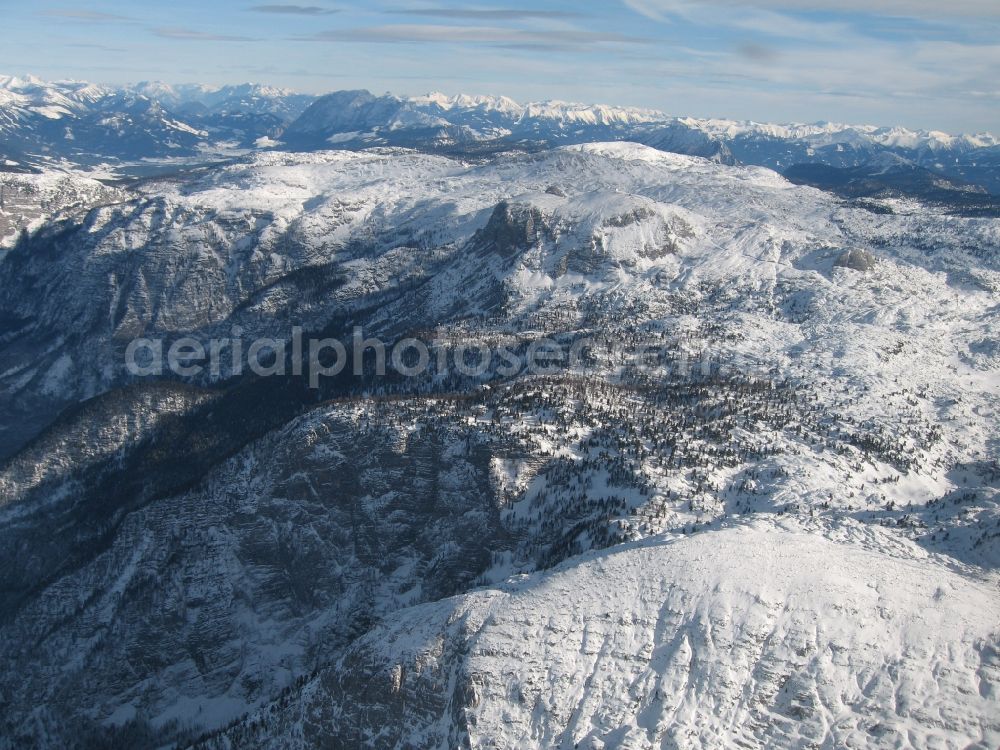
(493, 14)
(204, 36)
(89, 16)
(295, 10)
(408, 33)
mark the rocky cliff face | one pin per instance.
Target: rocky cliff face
(312, 535)
(27, 201)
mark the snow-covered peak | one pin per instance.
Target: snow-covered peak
(53, 99)
(832, 132)
(934, 139)
(156, 90)
(18, 83)
(245, 96)
(50, 99)
(556, 110)
(590, 114)
(465, 101)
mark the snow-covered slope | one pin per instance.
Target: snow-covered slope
(757, 636)
(803, 470)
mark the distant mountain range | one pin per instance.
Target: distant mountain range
(75, 123)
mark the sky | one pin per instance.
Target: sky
(917, 63)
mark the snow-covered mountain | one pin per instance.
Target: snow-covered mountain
(482, 117)
(762, 512)
(475, 125)
(26, 97)
(200, 101)
(504, 114)
(463, 123)
(828, 133)
(75, 123)
(72, 123)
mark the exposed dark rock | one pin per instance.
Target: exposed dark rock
(856, 259)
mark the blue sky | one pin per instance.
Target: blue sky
(919, 63)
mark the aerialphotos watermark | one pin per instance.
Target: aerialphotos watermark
(319, 358)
